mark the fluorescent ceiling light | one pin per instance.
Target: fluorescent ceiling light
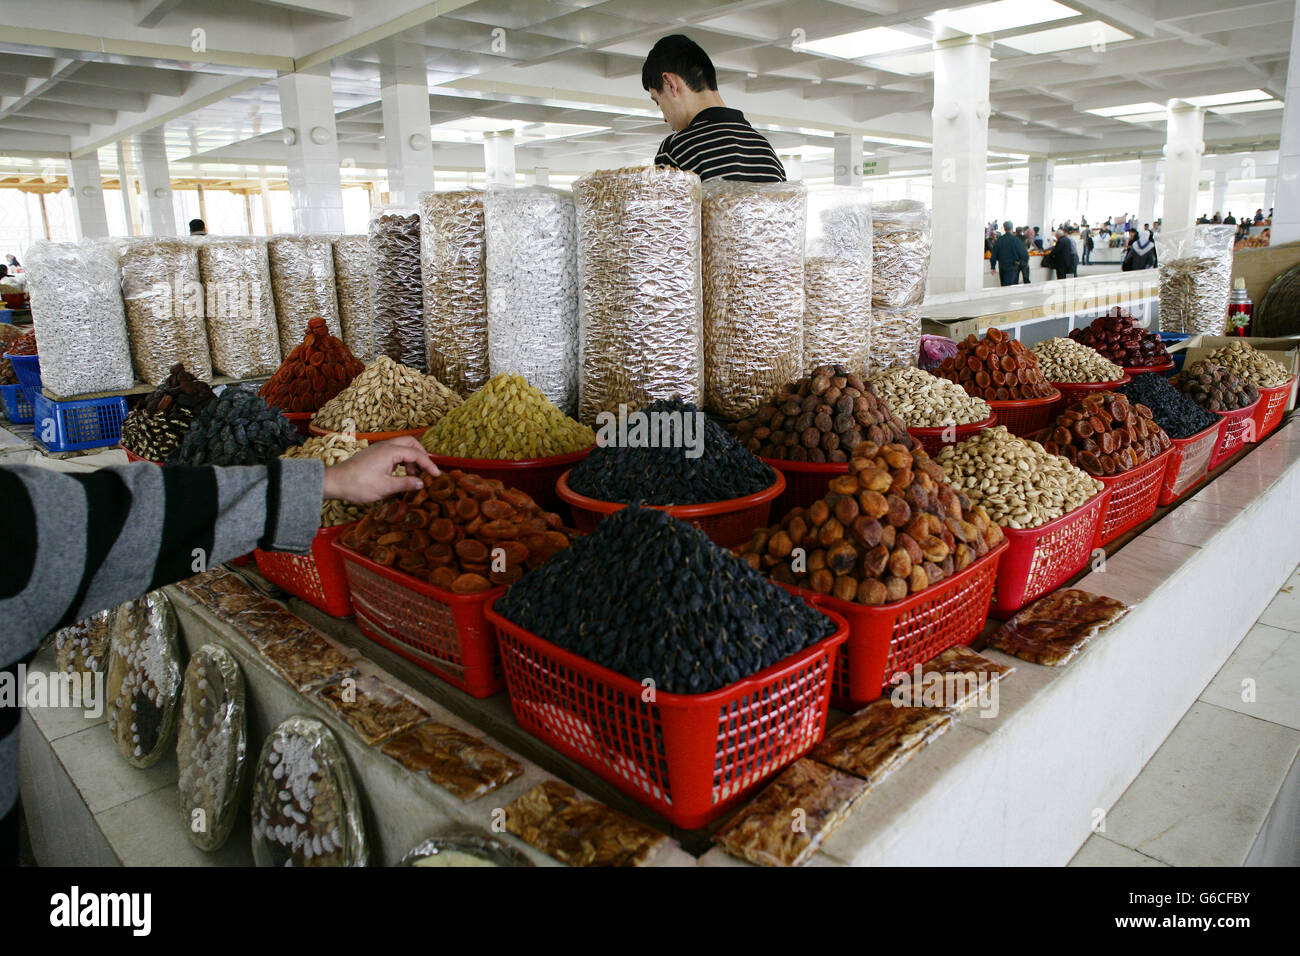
(1157, 116)
(1248, 107)
(910, 64)
(1091, 34)
(1222, 99)
(985, 18)
(853, 46)
(1130, 110)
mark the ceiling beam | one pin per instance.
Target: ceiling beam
(60, 70)
(329, 9)
(149, 13)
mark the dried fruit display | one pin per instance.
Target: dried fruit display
(1215, 388)
(1065, 360)
(1171, 409)
(1246, 362)
(820, 418)
(761, 832)
(453, 269)
(1018, 482)
(83, 647)
(639, 295)
(1117, 337)
(305, 659)
(837, 313)
(157, 426)
(459, 532)
(164, 307)
(302, 282)
(1195, 278)
(318, 368)
(1054, 628)
(396, 292)
(880, 738)
(891, 527)
(649, 596)
(958, 678)
(667, 474)
(922, 400)
(144, 679)
(305, 806)
(375, 709)
(996, 368)
(238, 428)
(11, 338)
(333, 449)
(210, 746)
(753, 255)
(900, 265)
(573, 829)
(459, 763)
(387, 397)
(240, 306)
(507, 419)
(24, 345)
(1105, 434)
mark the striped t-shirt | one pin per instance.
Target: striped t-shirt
(719, 143)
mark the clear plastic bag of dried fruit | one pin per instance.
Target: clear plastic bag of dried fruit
(453, 266)
(352, 285)
(900, 253)
(1195, 278)
(79, 318)
(163, 292)
(532, 289)
(396, 291)
(752, 269)
(837, 278)
(240, 307)
(640, 301)
(1053, 629)
(302, 278)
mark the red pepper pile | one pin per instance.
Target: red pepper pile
(319, 367)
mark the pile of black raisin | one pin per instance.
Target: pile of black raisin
(238, 428)
(666, 476)
(1173, 410)
(155, 427)
(649, 596)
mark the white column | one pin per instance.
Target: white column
(405, 95)
(1220, 192)
(1042, 180)
(88, 197)
(961, 134)
(541, 176)
(126, 186)
(1147, 191)
(315, 188)
(1286, 219)
(1183, 149)
(793, 167)
(1270, 187)
(499, 157)
(848, 160)
(157, 215)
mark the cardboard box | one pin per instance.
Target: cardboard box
(1284, 351)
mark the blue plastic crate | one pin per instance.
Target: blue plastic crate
(86, 423)
(19, 403)
(27, 368)
(7, 316)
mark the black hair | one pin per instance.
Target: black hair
(196, 225)
(681, 55)
(4, 270)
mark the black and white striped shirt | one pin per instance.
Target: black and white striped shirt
(719, 143)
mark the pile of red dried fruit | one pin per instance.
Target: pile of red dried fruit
(24, 346)
(996, 368)
(318, 368)
(460, 532)
(1116, 337)
(1105, 434)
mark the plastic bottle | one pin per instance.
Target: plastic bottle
(1240, 309)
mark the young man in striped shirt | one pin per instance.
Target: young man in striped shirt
(708, 138)
(76, 544)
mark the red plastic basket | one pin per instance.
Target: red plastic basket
(1133, 497)
(1072, 392)
(1189, 462)
(1235, 429)
(1027, 415)
(1158, 369)
(536, 477)
(444, 633)
(317, 577)
(132, 456)
(729, 523)
(689, 757)
(1039, 560)
(300, 420)
(1273, 401)
(890, 639)
(805, 482)
(933, 439)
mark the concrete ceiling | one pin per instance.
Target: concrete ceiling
(205, 69)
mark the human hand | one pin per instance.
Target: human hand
(368, 475)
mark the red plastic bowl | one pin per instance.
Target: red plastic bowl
(1236, 428)
(1025, 416)
(1188, 463)
(1040, 560)
(132, 456)
(729, 523)
(536, 477)
(1158, 369)
(805, 482)
(1273, 402)
(934, 439)
(1133, 497)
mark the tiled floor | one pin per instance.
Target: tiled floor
(1204, 796)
